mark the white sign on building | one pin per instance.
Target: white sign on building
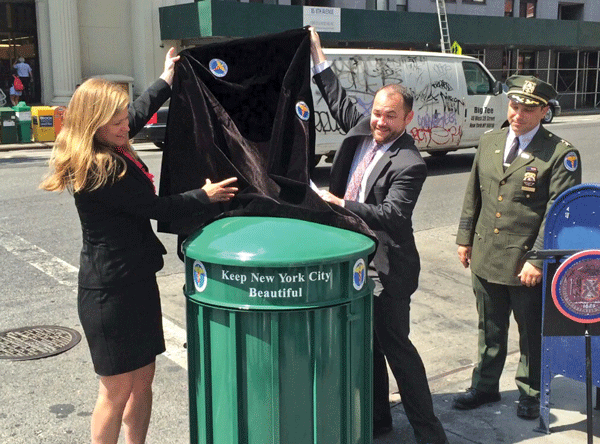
(323, 19)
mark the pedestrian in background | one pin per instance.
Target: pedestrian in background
(15, 96)
(378, 174)
(25, 73)
(517, 174)
(118, 297)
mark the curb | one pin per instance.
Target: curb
(26, 146)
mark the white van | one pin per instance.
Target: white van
(456, 97)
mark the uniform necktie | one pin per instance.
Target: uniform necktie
(512, 153)
(357, 177)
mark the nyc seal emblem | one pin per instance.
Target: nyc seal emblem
(576, 287)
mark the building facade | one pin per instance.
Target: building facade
(67, 41)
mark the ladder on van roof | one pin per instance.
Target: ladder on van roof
(443, 19)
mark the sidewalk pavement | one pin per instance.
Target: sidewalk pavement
(444, 330)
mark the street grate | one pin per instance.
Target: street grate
(25, 343)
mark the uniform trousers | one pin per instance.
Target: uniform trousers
(495, 302)
(390, 340)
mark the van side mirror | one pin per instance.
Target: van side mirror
(497, 87)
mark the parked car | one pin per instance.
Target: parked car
(154, 131)
(553, 110)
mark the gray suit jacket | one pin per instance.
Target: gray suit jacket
(391, 194)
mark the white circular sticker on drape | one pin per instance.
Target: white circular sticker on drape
(218, 67)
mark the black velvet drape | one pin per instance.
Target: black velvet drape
(252, 118)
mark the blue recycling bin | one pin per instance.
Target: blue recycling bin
(573, 223)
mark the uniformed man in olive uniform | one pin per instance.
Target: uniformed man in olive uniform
(517, 174)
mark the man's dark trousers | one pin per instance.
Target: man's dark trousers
(390, 339)
(526, 305)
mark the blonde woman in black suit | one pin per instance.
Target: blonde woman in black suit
(118, 299)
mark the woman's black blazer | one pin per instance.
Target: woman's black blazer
(119, 244)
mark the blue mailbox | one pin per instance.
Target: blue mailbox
(572, 226)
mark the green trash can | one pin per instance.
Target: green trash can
(279, 330)
(8, 126)
(23, 113)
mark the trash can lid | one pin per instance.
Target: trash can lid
(21, 106)
(273, 241)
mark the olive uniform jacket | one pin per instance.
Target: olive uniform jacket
(504, 212)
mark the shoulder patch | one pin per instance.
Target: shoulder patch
(571, 161)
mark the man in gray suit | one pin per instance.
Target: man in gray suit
(517, 174)
(378, 174)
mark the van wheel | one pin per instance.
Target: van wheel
(549, 115)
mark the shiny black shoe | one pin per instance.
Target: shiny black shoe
(381, 428)
(529, 407)
(473, 399)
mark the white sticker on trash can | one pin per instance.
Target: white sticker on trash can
(359, 274)
(200, 277)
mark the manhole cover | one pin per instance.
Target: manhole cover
(25, 343)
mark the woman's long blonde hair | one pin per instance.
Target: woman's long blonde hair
(78, 162)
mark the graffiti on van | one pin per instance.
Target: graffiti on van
(326, 124)
(434, 86)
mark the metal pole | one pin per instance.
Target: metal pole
(549, 66)
(588, 385)
(576, 80)
(596, 88)
(557, 71)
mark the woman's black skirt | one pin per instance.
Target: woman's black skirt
(123, 326)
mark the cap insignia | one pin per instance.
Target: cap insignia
(528, 87)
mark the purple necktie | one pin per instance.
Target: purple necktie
(357, 177)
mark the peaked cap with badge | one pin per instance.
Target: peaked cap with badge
(244, 108)
(529, 90)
